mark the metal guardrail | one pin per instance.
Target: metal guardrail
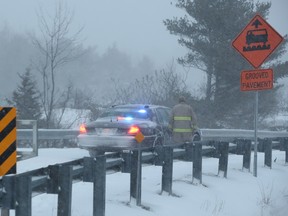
(48, 134)
(16, 190)
(32, 136)
(228, 135)
(207, 134)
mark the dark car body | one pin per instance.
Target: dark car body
(117, 127)
(114, 128)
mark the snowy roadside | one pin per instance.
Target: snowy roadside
(240, 194)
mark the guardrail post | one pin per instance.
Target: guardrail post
(135, 176)
(247, 154)
(5, 212)
(9, 192)
(260, 146)
(53, 182)
(88, 173)
(167, 170)
(285, 143)
(99, 189)
(268, 152)
(159, 155)
(126, 165)
(239, 146)
(223, 159)
(23, 196)
(197, 163)
(189, 152)
(95, 171)
(64, 191)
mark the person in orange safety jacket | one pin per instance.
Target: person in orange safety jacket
(183, 122)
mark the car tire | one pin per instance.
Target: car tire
(196, 137)
(164, 139)
(167, 139)
(95, 153)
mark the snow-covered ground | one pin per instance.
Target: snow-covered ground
(240, 194)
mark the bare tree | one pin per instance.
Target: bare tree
(57, 47)
(163, 87)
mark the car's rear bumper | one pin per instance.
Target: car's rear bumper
(102, 142)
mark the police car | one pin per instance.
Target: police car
(126, 127)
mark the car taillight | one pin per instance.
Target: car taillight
(133, 130)
(82, 129)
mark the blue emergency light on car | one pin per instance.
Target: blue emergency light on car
(142, 111)
(128, 118)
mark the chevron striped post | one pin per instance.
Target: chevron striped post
(8, 154)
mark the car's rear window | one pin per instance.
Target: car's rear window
(127, 112)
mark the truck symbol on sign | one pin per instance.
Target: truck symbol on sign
(258, 39)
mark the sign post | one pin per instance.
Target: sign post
(255, 43)
(255, 80)
(255, 134)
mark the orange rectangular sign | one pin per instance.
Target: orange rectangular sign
(254, 80)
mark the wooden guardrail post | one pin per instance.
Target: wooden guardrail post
(247, 144)
(88, 173)
(135, 176)
(95, 171)
(189, 149)
(5, 212)
(167, 170)
(159, 155)
(223, 159)
(99, 190)
(53, 182)
(260, 145)
(285, 143)
(64, 191)
(197, 163)
(267, 152)
(126, 165)
(60, 182)
(23, 197)
(8, 200)
(244, 148)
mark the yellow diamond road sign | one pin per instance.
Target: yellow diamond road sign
(139, 137)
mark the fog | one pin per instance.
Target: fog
(134, 27)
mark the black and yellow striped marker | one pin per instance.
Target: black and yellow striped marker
(8, 154)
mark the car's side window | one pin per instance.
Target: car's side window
(154, 116)
(163, 115)
(159, 116)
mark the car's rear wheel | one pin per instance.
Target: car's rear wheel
(196, 137)
(94, 153)
(167, 139)
(163, 139)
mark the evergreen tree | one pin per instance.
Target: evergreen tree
(207, 31)
(26, 98)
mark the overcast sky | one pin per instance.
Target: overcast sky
(135, 26)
